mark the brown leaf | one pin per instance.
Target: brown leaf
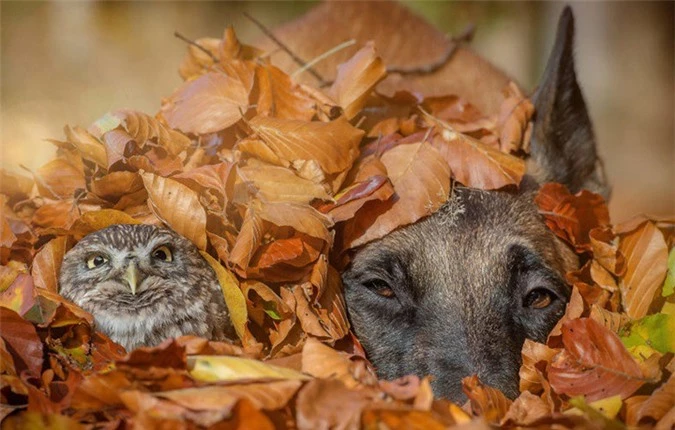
(488, 402)
(646, 266)
(210, 103)
(474, 163)
(328, 403)
(594, 363)
(333, 145)
(22, 341)
(421, 180)
(177, 206)
(280, 184)
(116, 184)
(514, 116)
(15, 186)
(19, 296)
(393, 419)
(264, 395)
(356, 79)
(280, 97)
(604, 244)
(526, 409)
(659, 403)
(47, 264)
(322, 361)
(59, 179)
(533, 353)
(98, 220)
(572, 217)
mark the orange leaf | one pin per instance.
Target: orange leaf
(59, 179)
(356, 79)
(47, 264)
(572, 217)
(594, 363)
(208, 104)
(646, 266)
(177, 206)
(489, 402)
(280, 97)
(332, 145)
(421, 179)
(279, 184)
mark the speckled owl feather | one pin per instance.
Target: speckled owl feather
(144, 284)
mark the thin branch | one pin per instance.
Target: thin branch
(196, 45)
(323, 56)
(465, 36)
(281, 45)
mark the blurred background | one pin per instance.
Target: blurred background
(70, 62)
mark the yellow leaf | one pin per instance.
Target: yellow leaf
(234, 298)
(212, 368)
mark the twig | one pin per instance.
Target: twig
(281, 45)
(323, 56)
(465, 36)
(195, 44)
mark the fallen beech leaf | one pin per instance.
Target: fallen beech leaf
(655, 331)
(114, 185)
(19, 295)
(177, 206)
(280, 97)
(605, 246)
(601, 412)
(327, 403)
(210, 103)
(594, 363)
(35, 420)
(514, 116)
(486, 401)
(15, 186)
(393, 419)
(614, 321)
(234, 299)
(59, 179)
(47, 263)
(356, 78)
(212, 368)
(322, 361)
(669, 283)
(333, 145)
(26, 346)
(660, 403)
(474, 163)
(280, 184)
(533, 353)
(421, 179)
(525, 410)
(269, 395)
(98, 220)
(572, 217)
(646, 266)
(88, 146)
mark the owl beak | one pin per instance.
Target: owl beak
(131, 276)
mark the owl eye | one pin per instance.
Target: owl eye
(162, 253)
(96, 261)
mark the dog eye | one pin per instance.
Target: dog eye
(380, 287)
(162, 253)
(539, 298)
(96, 261)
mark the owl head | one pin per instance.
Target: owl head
(125, 268)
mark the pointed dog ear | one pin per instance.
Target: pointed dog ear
(563, 146)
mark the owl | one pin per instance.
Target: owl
(144, 284)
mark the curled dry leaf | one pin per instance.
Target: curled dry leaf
(646, 266)
(275, 183)
(513, 121)
(572, 217)
(210, 368)
(47, 264)
(594, 363)
(486, 401)
(328, 403)
(421, 179)
(208, 104)
(26, 347)
(333, 145)
(177, 206)
(59, 179)
(474, 163)
(280, 97)
(356, 78)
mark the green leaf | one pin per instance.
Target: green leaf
(655, 331)
(270, 309)
(669, 284)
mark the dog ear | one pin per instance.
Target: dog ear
(563, 145)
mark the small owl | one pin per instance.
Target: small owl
(144, 284)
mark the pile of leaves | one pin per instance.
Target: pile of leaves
(276, 183)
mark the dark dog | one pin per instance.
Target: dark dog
(457, 293)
